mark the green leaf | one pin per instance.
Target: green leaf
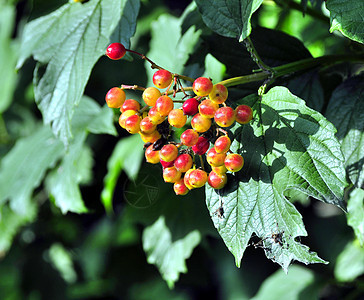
(24, 167)
(348, 18)
(169, 256)
(355, 214)
(170, 53)
(214, 69)
(287, 146)
(346, 112)
(10, 223)
(350, 262)
(8, 55)
(289, 286)
(128, 156)
(67, 46)
(229, 18)
(61, 260)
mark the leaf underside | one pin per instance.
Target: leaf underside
(286, 146)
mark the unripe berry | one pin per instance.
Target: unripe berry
(190, 107)
(224, 116)
(180, 188)
(202, 86)
(132, 124)
(222, 144)
(215, 159)
(155, 116)
(150, 95)
(166, 164)
(217, 181)
(189, 137)
(164, 105)
(244, 114)
(218, 94)
(146, 126)
(168, 152)
(234, 162)
(183, 162)
(201, 146)
(162, 78)
(197, 178)
(152, 156)
(220, 169)
(115, 51)
(171, 174)
(207, 108)
(115, 97)
(176, 118)
(200, 123)
(124, 116)
(130, 104)
(186, 179)
(150, 137)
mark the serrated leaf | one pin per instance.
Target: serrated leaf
(23, 168)
(8, 55)
(171, 53)
(127, 156)
(348, 18)
(288, 286)
(10, 223)
(287, 146)
(69, 45)
(346, 112)
(350, 262)
(169, 256)
(229, 18)
(355, 214)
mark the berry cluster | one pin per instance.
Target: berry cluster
(208, 115)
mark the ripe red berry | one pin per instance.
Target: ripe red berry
(150, 95)
(217, 181)
(207, 108)
(200, 123)
(186, 179)
(244, 114)
(180, 188)
(201, 146)
(183, 162)
(197, 178)
(164, 105)
(115, 51)
(130, 104)
(234, 162)
(222, 144)
(224, 116)
(124, 116)
(189, 137)
(202, 86)
(152, 156)
(115, 97)
(146, 126)
(155, 116)
(168, 152)
(215, 159)
(166, 164)
(132, 124)
(190, 107)
(162, 78)
(171, 174)
(176, 118)
(218, 94)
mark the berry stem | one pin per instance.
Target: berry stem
(201, 161)
(255, 56)
(132, 87)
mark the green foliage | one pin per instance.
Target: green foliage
(356, 214)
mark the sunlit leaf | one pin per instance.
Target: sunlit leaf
(355, 214)
(287, 146)
(350, 262)
(67, 43)
(167, 254)
(229, 18)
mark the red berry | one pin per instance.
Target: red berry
(171, 174)
(200, 123)
(180, 188)
(222, 144)
(176, 118)
(215, 159)
(132, 124)
(130, 104)
(217, 181)
(115, 97)
(166, 164)
(202, 86)
(164, 105)
(146, 126)
(218, 94)
(234, 162)
(183, 162)
(201, 146)
(190, 107)
(189, 137)
(244, 114)
(150, 95)
(186, 179)
(115, 51)
(124, 116)
(224, 116)
(150, 137)
(207, 108)
(168, 152)
(197, 178)
(219, 170)
(162, 78)
(152, 156)
(155, 116)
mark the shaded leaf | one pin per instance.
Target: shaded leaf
(169, 256)
(289, 286)
(346, 112)
(355, 214)
(61, 260)
(229, 18)
(24, 167)
(350, 262)
(69, 46)
(287, 146)
(347, 17)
